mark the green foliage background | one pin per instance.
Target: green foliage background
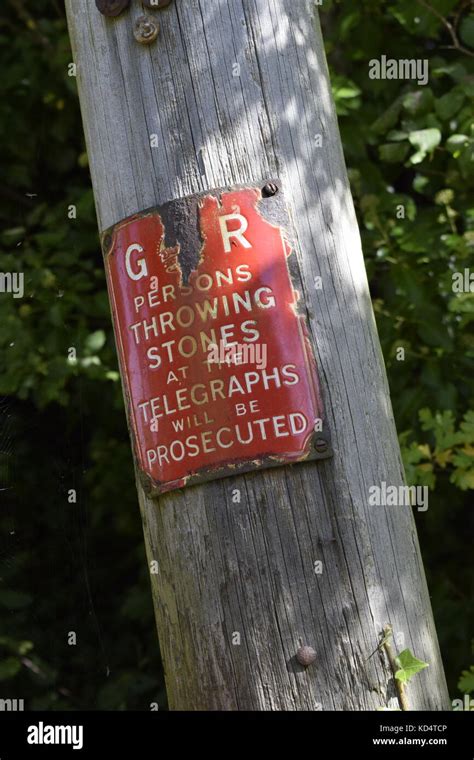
(81, 567)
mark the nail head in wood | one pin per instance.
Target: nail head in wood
(320, 445)
(270, 189)
(145, 30)
(306, 656)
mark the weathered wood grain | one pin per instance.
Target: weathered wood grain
(248, 567)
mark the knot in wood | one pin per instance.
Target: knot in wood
(146, 30)
(112, 7)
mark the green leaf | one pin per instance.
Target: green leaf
(418, 20)
(420, 183)
(419, 102)
(396, 135)
(441, 424)
(435, 335)
(456, 144)
(449, 104)
(463, 479)
(466, 30)
(95, 341)
(444, 197)
(426, 140)
(409, 666)
(393, 153)
(388, 119)
(466, 682)
(347, 92)
(454, 70)
(467, 428)
(9, 668)
(18, 647)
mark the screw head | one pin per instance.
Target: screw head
(269, 189)
(112, 7)
(320, 445)
(156, 3)
(306, 656)
(145, 30)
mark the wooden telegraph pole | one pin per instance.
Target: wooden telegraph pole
(254, 566)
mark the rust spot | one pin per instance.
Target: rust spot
(112, 8)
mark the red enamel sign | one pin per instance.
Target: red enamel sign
(218, 370)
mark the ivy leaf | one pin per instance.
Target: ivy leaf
(409, 666)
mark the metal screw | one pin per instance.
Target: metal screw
(156, 3)
(112, 7)
(146, 30)
(270, 189)
(306, 656)
(320, 445)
